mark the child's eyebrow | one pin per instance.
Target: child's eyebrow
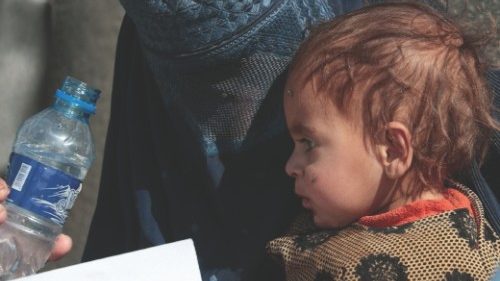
(301, 129)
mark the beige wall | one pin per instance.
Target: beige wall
(42, 41)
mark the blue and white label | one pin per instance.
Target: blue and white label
(40, 189)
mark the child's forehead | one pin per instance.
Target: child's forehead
(300, 92)
(299, 82)
(302, 97)
(314, 86)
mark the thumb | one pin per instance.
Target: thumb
(62, 246)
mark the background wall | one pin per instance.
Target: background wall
(42, 41)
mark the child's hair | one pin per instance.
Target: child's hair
(405, 62)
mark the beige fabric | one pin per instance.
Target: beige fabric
(449, 246)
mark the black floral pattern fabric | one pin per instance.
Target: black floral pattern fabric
(324, 276)
(312, 240)
(465, 226)
(455, 275)
(391, 230)
(489, 235)
(381, 267)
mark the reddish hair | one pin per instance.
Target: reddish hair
(405, 62)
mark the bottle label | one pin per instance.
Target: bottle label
(40, 189)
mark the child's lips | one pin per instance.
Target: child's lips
(305, 203)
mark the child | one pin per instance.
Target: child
(385, 106)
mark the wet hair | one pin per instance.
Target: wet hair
(405, 62)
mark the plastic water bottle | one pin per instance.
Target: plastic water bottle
(52, 153)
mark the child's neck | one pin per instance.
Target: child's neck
(426, 205)
(427, 194)
(406, 193)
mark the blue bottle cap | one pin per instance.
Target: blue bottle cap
(79, 94)
(85, 106)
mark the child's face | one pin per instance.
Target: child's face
(337, 174)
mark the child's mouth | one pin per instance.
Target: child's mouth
(306, 204)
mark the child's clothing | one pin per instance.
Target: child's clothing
(443, 242)
(453, 199)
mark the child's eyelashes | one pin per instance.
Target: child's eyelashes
(307, 143)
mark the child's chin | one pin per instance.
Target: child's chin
(323, 224)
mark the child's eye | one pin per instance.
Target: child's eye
(309, 144)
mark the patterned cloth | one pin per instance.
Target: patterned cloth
(452, 245)
(218, 59)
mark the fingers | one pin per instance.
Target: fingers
(62, 246)
(4, 192)
(3, 214)
(63, 242)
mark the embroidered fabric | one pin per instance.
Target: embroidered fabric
(217, 60)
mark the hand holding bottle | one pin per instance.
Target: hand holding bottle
(63, 242)
(51, 155)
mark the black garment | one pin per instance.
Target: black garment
(485, 180)
(197, 142)
(253, 203)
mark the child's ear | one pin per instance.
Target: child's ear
(396, 153)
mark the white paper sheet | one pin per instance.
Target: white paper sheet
(173, 261)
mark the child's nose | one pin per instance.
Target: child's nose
(291, 167)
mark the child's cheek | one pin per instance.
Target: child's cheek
(310, 176)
